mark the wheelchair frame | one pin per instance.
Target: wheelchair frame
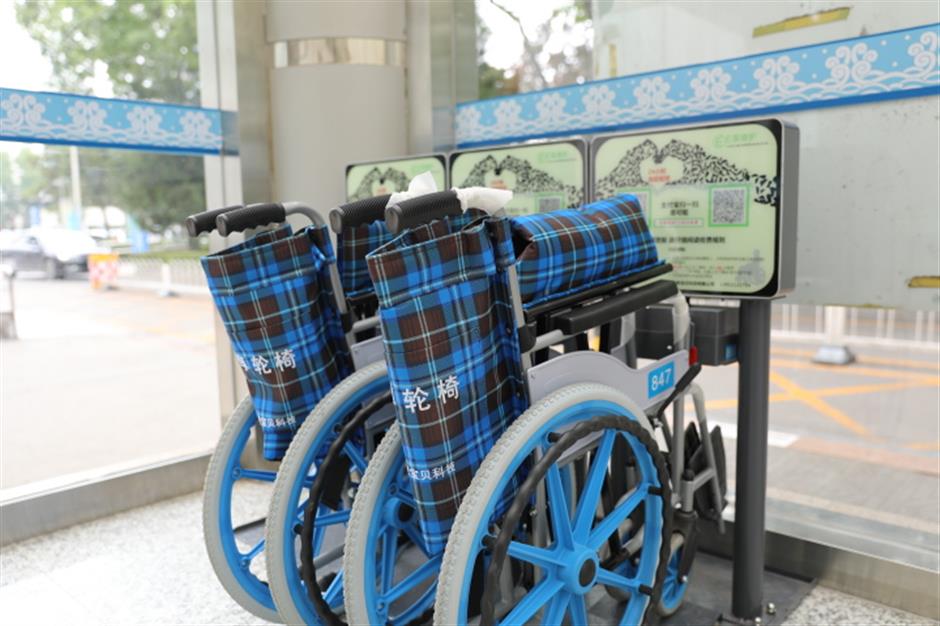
(610, 309)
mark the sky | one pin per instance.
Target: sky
(31, 70)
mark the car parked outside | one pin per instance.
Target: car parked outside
(55, 251)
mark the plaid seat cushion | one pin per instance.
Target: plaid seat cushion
(353, 244)
(566, 251)
(452, 353)
(276, 303)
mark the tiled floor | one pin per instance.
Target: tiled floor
(149, 566)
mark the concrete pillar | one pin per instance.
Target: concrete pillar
(337, 92)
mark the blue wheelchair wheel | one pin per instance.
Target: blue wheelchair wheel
(238, 567)
(570, 548)
(291, 493)
(674, 585)
(390, 576)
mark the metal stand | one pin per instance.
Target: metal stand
(751, 475)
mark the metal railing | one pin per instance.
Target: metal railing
(854, 325)
(167, 277)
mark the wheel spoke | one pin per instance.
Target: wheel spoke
(255, 551)
(410, 614)
(253, 474)
(607, 577)
(558, 508)
(407, 498)
(609, 524)
(537, 597)
(355, 456)
(413, 533)
(334, 593)
(301, 508)
(555, 613)
(578, 608)
(584, 515)
(430, 568)
(544, 558)
(389, 552)
(328, 519)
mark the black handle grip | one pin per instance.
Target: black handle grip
(359, 212)
(205, 222)
(251, 216)
(421, 210)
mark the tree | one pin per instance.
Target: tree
(569, 29)
(148, 50)
(492, 81)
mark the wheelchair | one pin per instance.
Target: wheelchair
(571, 490)
(340, 298)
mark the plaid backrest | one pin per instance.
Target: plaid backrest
(276, 302)
(566, 251)
(452, 353)
(353, 244)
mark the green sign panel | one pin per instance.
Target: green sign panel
(542, 176)
(713, 198)
(376, 178)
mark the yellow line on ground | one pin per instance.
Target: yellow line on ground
(926, 446)
(865, 454)
(730, 403)
(853, 390)
(874, 360)
(813, 400)
(858, 371)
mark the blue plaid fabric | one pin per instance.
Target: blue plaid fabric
(566, 251)
(353, 244)
(275, 299)
(452, 353)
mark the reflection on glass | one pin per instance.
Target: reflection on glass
(527, 46)
(98, 371)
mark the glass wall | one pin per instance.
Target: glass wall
(112, 362)
(853, 448)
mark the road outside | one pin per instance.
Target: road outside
(858, 444)
(121, 378)
(103, 379)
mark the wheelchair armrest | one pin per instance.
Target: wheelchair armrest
(583, 318)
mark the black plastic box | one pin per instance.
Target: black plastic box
(714, 333)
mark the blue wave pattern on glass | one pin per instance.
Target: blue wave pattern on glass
(897, 64)
(88, 121)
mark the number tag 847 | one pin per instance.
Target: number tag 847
(661, 379)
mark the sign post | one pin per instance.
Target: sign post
(721, 203)
(751, 472)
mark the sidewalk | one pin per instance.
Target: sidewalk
(149, 566)
(104, 378)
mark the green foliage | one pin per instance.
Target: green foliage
(149, 47)
(10, 205)
(148, 50)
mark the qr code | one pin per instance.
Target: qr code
(549, 203)
(729, 206)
